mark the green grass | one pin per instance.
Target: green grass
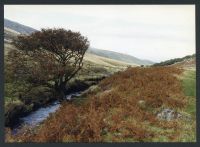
(189, 88)
(188, 132)
(189, 83)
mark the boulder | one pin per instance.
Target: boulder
(170, 114)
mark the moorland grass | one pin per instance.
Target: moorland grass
(113, 113)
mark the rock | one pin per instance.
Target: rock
(118, 134)
(169, 114)
(92, 89)
(68, 97)
(141, 104)
(104, 131)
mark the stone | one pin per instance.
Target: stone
(141, 104)
(169, 114)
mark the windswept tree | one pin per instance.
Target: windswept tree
(50, 57)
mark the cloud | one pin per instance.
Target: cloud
(139, 30)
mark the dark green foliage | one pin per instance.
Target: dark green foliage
(39, 67)
(173, 61)
(48, 57)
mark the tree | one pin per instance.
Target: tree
(50, 55)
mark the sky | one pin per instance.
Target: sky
(153, 32)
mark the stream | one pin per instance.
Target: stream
(36, 117)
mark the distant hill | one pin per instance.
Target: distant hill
(176, 60)
(119, 56)
(12, 29)
(22, 29)
(106, 61)
(188, 63)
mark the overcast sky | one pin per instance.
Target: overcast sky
(154, 32)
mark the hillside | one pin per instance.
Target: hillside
(105, 61)
(179, 61)
(119, 56)
(9, 34)
(188, 64)
(12, 29)
(18, 27)
(137, 105)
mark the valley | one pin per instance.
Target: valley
(113, 98)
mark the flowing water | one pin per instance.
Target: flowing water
(38, 116)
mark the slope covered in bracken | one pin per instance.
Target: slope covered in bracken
(122, 108)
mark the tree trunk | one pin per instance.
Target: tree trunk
(61, 89)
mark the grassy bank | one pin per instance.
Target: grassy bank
(22, 97)
(189, 83)
(189, 87)
(122, 108)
